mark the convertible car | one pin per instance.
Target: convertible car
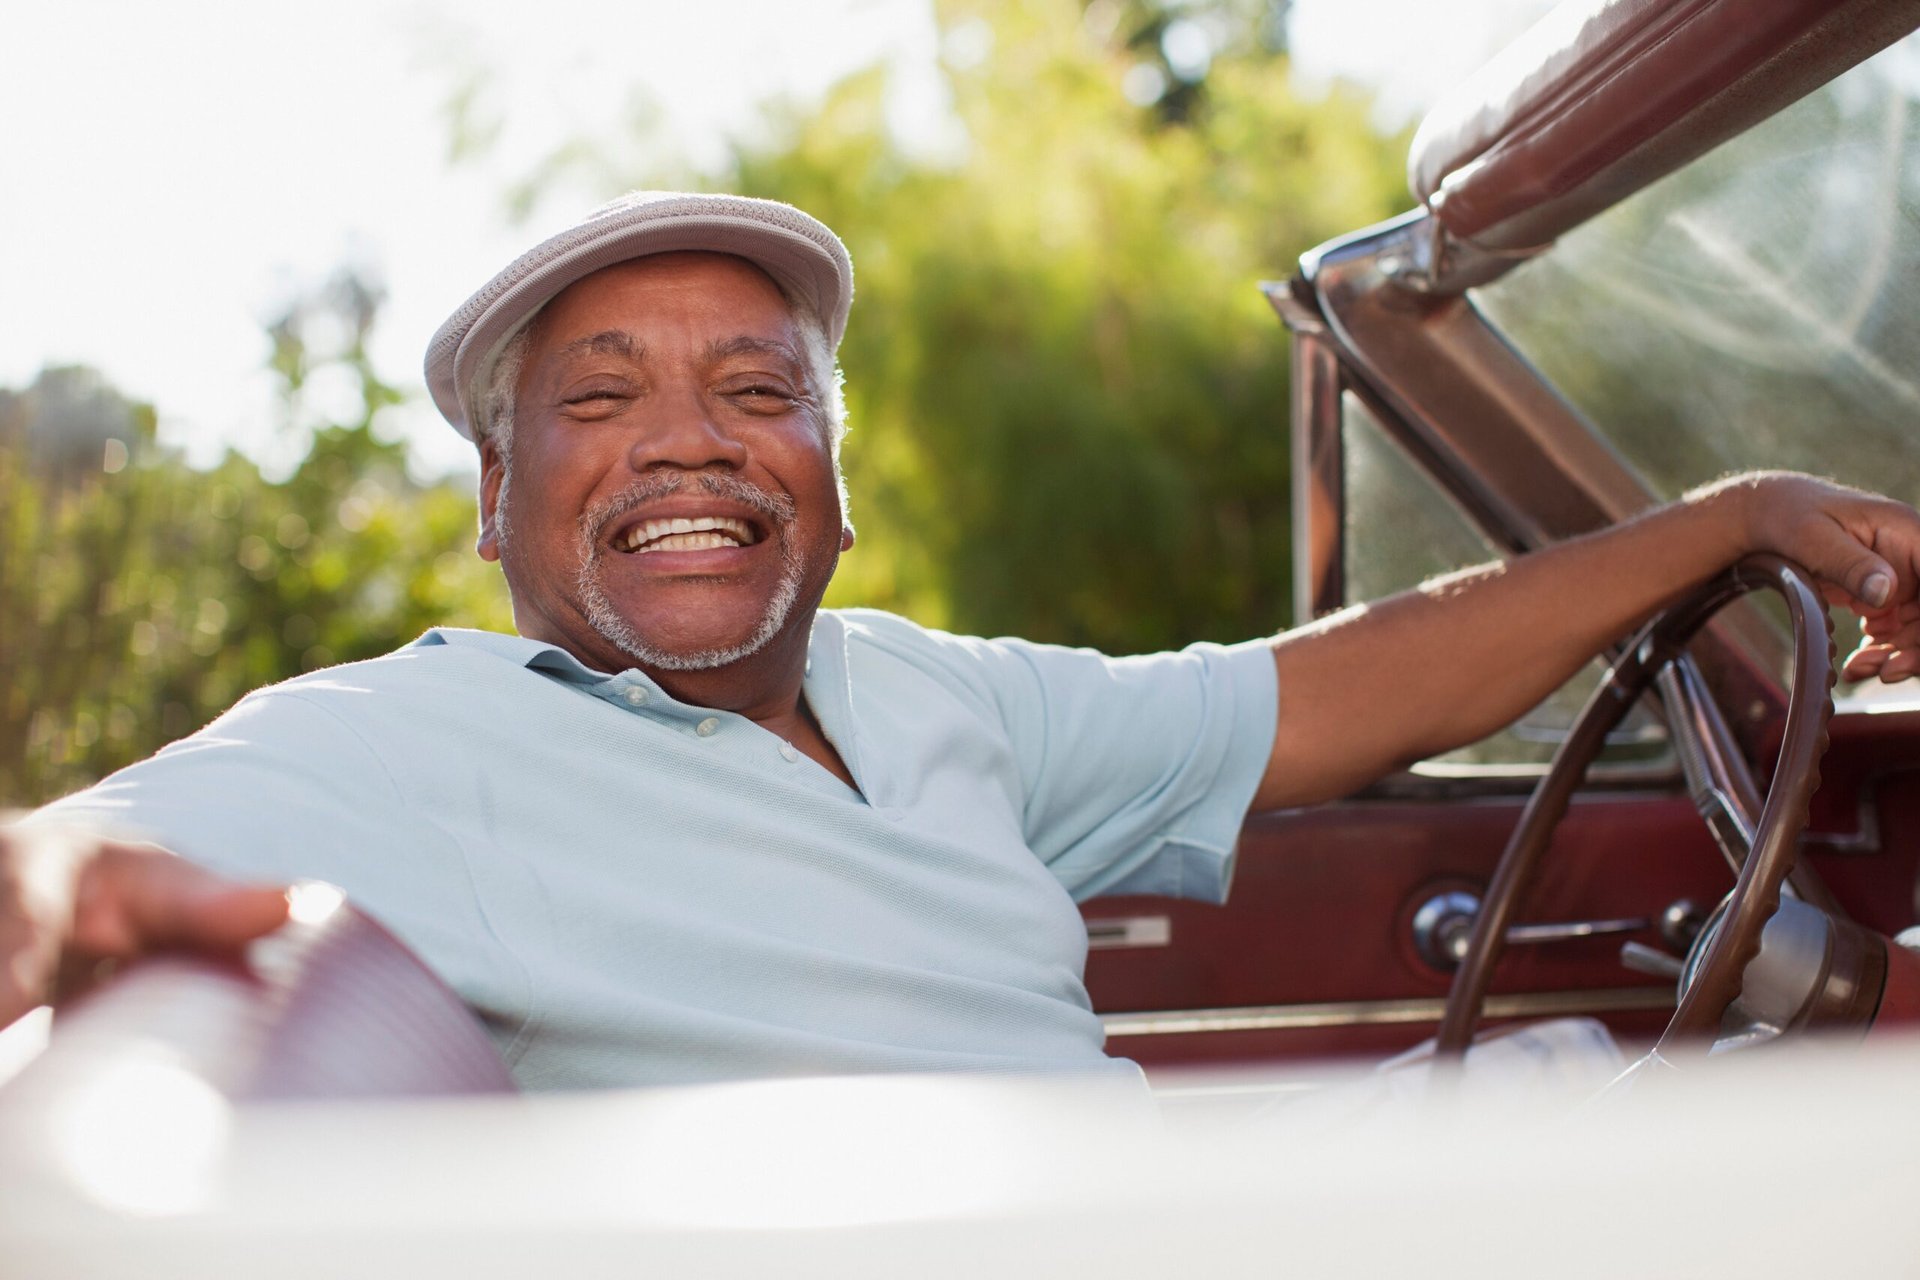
(1655, 241)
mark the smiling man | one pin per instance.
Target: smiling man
(687, 825)
(690, 514)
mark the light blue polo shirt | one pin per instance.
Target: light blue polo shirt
(632, 890)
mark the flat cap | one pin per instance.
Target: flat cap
(799, 251)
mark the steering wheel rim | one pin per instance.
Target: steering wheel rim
(1756, 893)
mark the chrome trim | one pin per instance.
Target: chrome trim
(1295, 307)
(1441, 927)
(1721, 787)
(1362, 1013)
(1108, 933)
(1652, 961)
(1521, 935)
(1319, 471)
(1794, 962)
(1444, 922)
(1450, 779)
(1440, 262)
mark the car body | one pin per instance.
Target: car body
(1453, 399)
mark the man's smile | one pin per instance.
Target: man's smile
(681, 515)
(681, 533)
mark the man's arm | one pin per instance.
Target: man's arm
(1377, 686)
(69, 899)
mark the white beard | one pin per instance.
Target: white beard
(618, 632)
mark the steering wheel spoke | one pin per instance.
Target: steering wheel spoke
(1723, 790)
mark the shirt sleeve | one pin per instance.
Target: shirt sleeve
(1138, 771)
(280, 788)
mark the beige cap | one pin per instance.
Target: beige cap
(800, 252)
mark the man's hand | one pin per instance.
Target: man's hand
(1865, 549)
(70, 900)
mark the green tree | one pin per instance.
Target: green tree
(142, 596)
(1175, 42)
(1069, 401)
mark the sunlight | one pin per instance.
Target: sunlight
(143, 1136)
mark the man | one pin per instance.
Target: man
(687, 826)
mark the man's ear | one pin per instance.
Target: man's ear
(492, 472)
(846, 538)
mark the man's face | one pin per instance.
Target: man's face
(674, 501)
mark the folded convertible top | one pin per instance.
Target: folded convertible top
(1605, 96)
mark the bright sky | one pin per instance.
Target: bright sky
(169, 174)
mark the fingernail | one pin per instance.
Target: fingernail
(1876, 589)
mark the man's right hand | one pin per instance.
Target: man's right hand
(70, 899)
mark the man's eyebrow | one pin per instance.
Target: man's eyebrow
(608, 342)
(750, 346)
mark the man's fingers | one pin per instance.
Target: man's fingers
(225, 919)
(131, 900)
(70, 900)
(1889, 659)
(1836, 554)
(1865, 662)
(1887, 621)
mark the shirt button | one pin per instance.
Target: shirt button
(637, 696)
(706, 728)
(788, 752)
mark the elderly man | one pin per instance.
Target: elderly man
(687, 825)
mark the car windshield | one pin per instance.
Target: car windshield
(1756, 308)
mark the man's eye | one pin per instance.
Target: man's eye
(598, 395)
(762, 393)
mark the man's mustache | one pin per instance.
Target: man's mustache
(777, 508)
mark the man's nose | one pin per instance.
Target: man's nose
(683, 431)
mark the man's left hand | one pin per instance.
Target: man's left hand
(1865, 550)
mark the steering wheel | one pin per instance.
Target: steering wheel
(1764, 861)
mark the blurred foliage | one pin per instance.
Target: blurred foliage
(142, 596)
(1174, 43)
(1069, 400)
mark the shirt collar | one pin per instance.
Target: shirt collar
(827, 641)
(534, 654)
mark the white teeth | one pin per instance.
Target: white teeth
(700, 533)
(689, 542)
